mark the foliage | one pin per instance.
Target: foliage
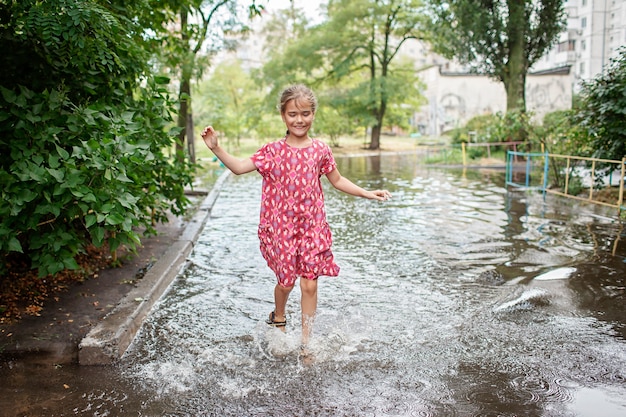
(560, 134)
(499, 127)
(356, 51)
(477, 129)
(601, 113)
(83, 46)
(83, 174)
(84, 134)
(500, 38)
(234, 104)
(195, 31)
(224, 95)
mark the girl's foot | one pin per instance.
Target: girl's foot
(272, 321)
(306, 356)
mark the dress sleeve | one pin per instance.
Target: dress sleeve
(262, 159)
(328, 160)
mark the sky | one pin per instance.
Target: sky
(310, 7)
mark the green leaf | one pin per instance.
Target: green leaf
(90, 220)
(97, 235)
(58, 174)
(26, 195)
(8, 95)
(114, 219)
(32, 118)
(62, 152)
(15, 245)
(90, 198)
(121, 177)
(161, 80)
(53, 161)
(128, 200)
(128, 116)
(70, 263)
(106, 208)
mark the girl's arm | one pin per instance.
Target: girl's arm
(236, 165)
(343, 184)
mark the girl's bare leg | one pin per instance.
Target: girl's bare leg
(308, 288)
(281, 294)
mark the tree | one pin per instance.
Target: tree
(500, 38)
(229, 100)
(600, 113)
(193, 24)
(84, 132)
(359, 43)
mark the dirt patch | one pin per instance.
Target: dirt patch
(24, 292)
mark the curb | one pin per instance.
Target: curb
(108, 341)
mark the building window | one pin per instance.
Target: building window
(583, 22)
(584, 2)
(570, 45)
(581, 69)
(583, 45)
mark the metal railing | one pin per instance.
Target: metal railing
(538, 165)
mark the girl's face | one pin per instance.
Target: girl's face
(298, 117)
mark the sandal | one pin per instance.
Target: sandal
(273, 322)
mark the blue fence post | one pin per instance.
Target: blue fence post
(507, 175)
(546, 166)
(527, 170)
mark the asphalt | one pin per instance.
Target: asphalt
(94, 322)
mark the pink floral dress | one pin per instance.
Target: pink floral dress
(294, 236)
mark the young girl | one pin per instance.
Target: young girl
(294, 236)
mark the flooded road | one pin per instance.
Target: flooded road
(455, 298)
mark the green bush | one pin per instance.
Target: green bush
(84, 134)
(79, 175)
(510, 127)
(601, 110)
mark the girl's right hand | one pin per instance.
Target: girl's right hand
(209, 135)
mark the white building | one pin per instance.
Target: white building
(456, 97)
(596, 30)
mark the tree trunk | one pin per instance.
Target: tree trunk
(515, 79)
(375, 137)
(191, 144)
(377, 129)
(184, 92)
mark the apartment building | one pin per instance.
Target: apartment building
(595, 33)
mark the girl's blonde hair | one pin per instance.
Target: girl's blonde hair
(297, 92)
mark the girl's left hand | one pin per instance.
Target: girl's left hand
(381, 195)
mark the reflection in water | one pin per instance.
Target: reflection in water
(450, 302)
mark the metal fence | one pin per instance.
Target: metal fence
(578, 174)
